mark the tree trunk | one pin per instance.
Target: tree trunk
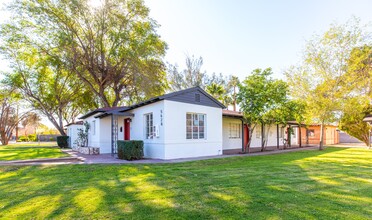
(250, 132)
(17, 118)
(4, 139)
(321, 136)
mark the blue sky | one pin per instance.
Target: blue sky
(237, 36)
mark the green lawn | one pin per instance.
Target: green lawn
(26, 151)
(332, 184)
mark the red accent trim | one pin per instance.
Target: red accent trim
(245, 135)
(127, 129)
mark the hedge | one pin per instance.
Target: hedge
(130, 150)
(62, 141)
(32, 137)
(23, 139)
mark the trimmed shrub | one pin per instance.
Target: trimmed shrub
(62, 141)
(23, 138)
(130, 150)
(32, 137)
(51, 139)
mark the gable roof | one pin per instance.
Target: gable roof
(174, 96)
(98, 110)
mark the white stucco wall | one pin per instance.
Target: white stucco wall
(272, 138)
(153, 148)
(175, 142)
(72, 132)
(228, 142)
(102, 136)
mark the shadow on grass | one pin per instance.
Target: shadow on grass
(307, 184)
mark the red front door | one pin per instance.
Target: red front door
(127, 129)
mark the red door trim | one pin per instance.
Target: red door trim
(127, 129)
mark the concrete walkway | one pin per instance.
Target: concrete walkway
(78, 158)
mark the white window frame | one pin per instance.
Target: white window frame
(150, 131)
(193, 123)
(281, 132)
(258, 132)
(311, 134)
(234, 130)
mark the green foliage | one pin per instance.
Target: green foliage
(259, 94)
(116, 61)
(216, 90)
(62, 141)
(190, 77)
(82, 140)
(23, 139)
(51, 139)
(264, 100)
(325, 80)
(130, 150)
(354, 110)
(32, 137)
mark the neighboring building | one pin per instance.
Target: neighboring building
(72, 130)
(187, 123)
(346, 138)
(312, 134)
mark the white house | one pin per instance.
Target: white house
(72, 131)
(187, 123)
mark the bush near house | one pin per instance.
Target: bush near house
(32, 137)
(22, 139)
(130, 150)
(62, 141)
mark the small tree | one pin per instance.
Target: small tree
(320, 77)
(259, 95)
(216, 90)
(82, 140)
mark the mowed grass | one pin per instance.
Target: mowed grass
(26, 151)
(332, 184)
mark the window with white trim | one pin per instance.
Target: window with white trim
(311, 133)
(195, 126)
(149, 126)
(281, 132)
(234, 130)
(258, 132)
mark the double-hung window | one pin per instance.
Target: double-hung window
(149, 126)
(234, 130)
(195, 126)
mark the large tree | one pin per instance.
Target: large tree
(357, 87)
(112, 48)
(319, 80)
(189, 77)
(47, 85)
(9, 117)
